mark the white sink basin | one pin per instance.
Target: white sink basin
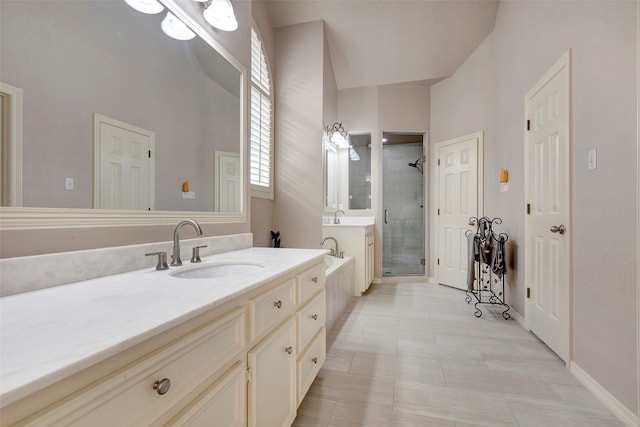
(218, 270)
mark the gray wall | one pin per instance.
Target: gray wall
(299, 75)
(262, 209)
(487, 93)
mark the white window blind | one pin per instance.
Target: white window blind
(261, 117)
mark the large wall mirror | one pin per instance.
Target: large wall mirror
(103, 88)
(348, 173)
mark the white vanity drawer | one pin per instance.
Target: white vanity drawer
(310, 319)
(128, 397)
(271, 307)
(309, 363)
(310, 281)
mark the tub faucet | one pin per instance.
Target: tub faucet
(337, 250)
(335, 217)
(175, 258)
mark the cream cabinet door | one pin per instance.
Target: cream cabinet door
(370, 251)
(272, 383)
(223, 404)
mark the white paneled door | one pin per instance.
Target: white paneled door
(228, 182)
(457, 163)
(123, 176)
(548, 234)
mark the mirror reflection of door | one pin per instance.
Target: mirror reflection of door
(10, 145)
(124, 169)
(228, 182)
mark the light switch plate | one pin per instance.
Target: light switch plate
(592, 159)
(68, 183)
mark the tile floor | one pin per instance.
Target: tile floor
(413, 354)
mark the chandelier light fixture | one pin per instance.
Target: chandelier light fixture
(337, 135)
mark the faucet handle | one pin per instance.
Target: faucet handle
(195, 253)
(162, 260)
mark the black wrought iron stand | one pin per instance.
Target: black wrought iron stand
(489, 268)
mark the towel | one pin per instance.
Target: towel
(498, 264)
(472, 250)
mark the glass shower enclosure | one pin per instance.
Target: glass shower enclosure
(403, 198)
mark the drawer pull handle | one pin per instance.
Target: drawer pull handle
(162, 386)
(314, 316)
(314, 360)
(289, 350)
(314, 279)
(278, 304)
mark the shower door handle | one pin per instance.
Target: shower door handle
(386, 216)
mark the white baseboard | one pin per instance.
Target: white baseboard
(518, 318)
(625, 416)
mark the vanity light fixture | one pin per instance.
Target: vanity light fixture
(151, 7)
(219, 14)
(175, 28)
(337, 135)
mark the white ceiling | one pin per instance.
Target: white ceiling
(380, 42)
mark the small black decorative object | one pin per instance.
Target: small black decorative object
(275, 236)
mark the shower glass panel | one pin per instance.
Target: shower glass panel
(403, 245)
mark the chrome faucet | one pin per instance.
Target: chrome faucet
(335, 217)
(175, 258)
(337, 250)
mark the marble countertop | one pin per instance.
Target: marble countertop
(49, 334)
(349, 221)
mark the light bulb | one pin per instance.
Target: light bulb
(220, 14)
(175, 28)
(146, 6)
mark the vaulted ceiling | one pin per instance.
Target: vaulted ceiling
(380, 42)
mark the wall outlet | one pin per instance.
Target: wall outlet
(68, 183)
(188, 194)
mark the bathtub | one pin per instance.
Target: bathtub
(339, 285)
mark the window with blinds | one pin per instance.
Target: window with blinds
(261, 149)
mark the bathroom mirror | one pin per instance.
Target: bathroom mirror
(348, 173)
(78, 62)
(359, 171)
(330, 176)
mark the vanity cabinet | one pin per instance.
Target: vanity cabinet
(145, 391)
(310, 318)
(272, 380)
(357, 241)
(246, 362)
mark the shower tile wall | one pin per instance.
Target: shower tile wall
(403, 197)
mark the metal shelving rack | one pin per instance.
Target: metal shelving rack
(488, 285)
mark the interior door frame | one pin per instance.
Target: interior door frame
(436, 189)
(99, 119)
(563, 63)
(12, 99)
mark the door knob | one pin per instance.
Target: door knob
(558, 229)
